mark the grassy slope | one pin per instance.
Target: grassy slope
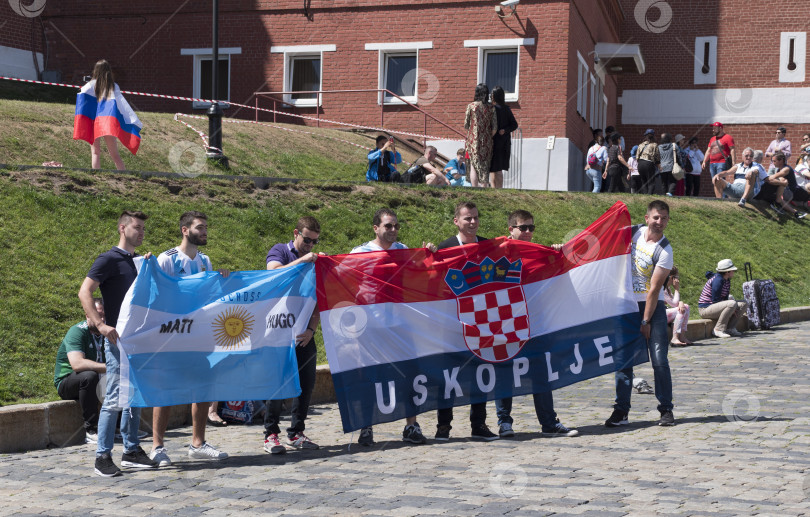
(53, 223)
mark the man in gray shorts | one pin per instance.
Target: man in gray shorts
(742, 181)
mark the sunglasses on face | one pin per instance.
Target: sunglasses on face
(391, 226)
(308, 241)
(525, 227)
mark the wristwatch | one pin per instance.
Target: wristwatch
(644, 322)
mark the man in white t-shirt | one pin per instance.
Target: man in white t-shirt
(386, 231)
(651, 261)
(185, 260)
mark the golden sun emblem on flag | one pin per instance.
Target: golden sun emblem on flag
(232, 327)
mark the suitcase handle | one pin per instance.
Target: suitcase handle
(749, 275)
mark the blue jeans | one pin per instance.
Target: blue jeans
(658, 345)
(131, 417)
(543, 406)
(716, 168)
(596, 178)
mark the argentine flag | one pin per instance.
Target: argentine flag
(203, 337)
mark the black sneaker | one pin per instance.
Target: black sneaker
(138, 459)
(667, 420)
(442, 433)
(482, 432)
(413, 434)
(366, 436)
(559, 430)
(105, 466)
(616, 419)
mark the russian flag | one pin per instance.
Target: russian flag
(410, 331)
(111, 116)
(203, 337)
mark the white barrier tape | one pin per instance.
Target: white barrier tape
(266, 110)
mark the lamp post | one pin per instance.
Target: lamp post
(215, 111)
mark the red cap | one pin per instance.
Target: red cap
(717, 124)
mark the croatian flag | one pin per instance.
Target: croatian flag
(410, 331)
(111, 116)
(203, 337)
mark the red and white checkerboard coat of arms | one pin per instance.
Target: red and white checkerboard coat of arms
(496, 323)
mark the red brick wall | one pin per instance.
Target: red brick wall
(16, 31)
(149, 37)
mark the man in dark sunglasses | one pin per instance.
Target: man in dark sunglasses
(521, 227)
(386, 230)
(297, 251)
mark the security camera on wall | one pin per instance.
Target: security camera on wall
(510, 3)
(596, 59)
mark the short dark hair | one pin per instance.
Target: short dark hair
(597, 131)
(659, 205)
(378, 215)
(381, 138)
(469, 205)
(610, 129)
(498, 95)
(430, 148)
(308, 222)
(780, 155)
(188, 218)
(519, 215)
(693, 140)
(126, 215)
(615, 138)
(461, 151)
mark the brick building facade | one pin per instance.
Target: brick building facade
(649, 74)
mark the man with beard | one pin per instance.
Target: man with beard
(185, 260)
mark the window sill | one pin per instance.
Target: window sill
(394, 101)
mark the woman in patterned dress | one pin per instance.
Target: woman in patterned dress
(481, 125)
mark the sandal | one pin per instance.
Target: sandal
(217, 423)
(679, 344)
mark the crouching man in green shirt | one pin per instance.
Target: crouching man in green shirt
(79, 363)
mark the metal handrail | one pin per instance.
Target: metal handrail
(320, 93)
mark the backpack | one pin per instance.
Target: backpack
(415, 174)
(593, 160)
(658, 247)
(687, 162)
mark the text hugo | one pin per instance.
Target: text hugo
(520, 367)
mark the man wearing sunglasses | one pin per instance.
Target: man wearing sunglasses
(780, 143)
(386, 231)
(297, 251)
(521, 227)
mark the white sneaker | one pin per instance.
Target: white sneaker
(720, 333)
(205, 452)
(160, 456)
(90, 437)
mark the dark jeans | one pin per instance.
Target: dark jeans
(692, 184)
(635, 184)
(307, 357)
(82, 387)
(669, 183)
(658, 345)
(543, 406)
(648, 172)
(614, 177)
(478, 415)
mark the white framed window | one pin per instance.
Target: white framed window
(792, 57)
(706, 60)
(398, 70)
(303, 72)
(499, 63)
(604, 111)
(593, 122)
(202, 86)
(582, 86)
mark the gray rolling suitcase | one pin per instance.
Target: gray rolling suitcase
(763, 304)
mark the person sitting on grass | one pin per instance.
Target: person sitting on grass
(742, 181)
(678, 312)
(456, 170)
(716, 302)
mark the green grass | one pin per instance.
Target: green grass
(53, 223)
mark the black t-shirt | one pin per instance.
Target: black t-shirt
(452, 242)
(115, 271)
(791, 179)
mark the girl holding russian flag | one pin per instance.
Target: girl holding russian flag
(102, 111)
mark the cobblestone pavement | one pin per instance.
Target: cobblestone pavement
(741, 446)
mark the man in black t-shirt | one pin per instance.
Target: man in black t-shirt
(466, 220)
(113, 272)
